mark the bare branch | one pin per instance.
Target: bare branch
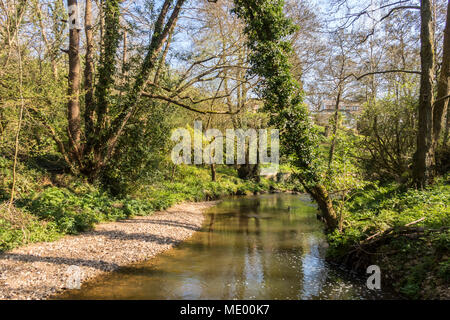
(382, 72)
(399, 8)
(441, 99)
(183, 105)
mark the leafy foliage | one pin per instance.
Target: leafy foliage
(389, 131)
(145, 161)
(266, 30)
(68, 205)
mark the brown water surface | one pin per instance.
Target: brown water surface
(260, 247)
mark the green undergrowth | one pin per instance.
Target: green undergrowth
(414, 263)
(49, 205)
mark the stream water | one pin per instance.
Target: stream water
(259, 247)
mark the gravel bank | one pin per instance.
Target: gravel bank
(40, 270)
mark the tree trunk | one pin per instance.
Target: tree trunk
(74, 123)
(89, 75)
(125, 56)
(213, 172)
(159, 37)
(162, 61)
(447, 126)
(248, 171)
(321, 196)
(335, 129)
(441, 105)
(48, 45)
(424, 155)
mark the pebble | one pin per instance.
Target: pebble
(40, 270)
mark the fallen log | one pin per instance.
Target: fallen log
(389, 230)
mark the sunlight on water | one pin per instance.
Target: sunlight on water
(261, 247)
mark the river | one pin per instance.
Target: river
(260, 247)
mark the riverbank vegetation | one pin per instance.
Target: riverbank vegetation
(52, 205)
(405, 232)
(91, 95)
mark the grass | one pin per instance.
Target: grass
(415, 265)
(52, 205)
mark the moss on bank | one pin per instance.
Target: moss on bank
(414, 258)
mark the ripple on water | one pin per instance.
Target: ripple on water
(260, 247)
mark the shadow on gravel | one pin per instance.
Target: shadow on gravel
(98, 264)
(120, 235)
(164, 222)
(111, 234)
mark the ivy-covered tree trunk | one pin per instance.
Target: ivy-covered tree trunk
(105, 119)
(447, 128)
(319, 193)
(266, 29)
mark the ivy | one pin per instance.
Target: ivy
(107, 68)
(267, 29)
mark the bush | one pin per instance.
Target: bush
(68, 205)
(18, 227)
(389, 131)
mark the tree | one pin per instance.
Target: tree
(441, 103)
(106, 115)
(388, 127)
(430, 117)
(338, 67)
(424, 158)
(266, 29)
(73, 106)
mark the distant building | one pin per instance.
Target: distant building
(345, 106)
(348, 109)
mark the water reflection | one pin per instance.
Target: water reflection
(262, 247)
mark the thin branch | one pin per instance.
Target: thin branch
(443, 98)
(382, 72)
(60, 144)
(183, 105)
(19, 124)
(398, 8)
